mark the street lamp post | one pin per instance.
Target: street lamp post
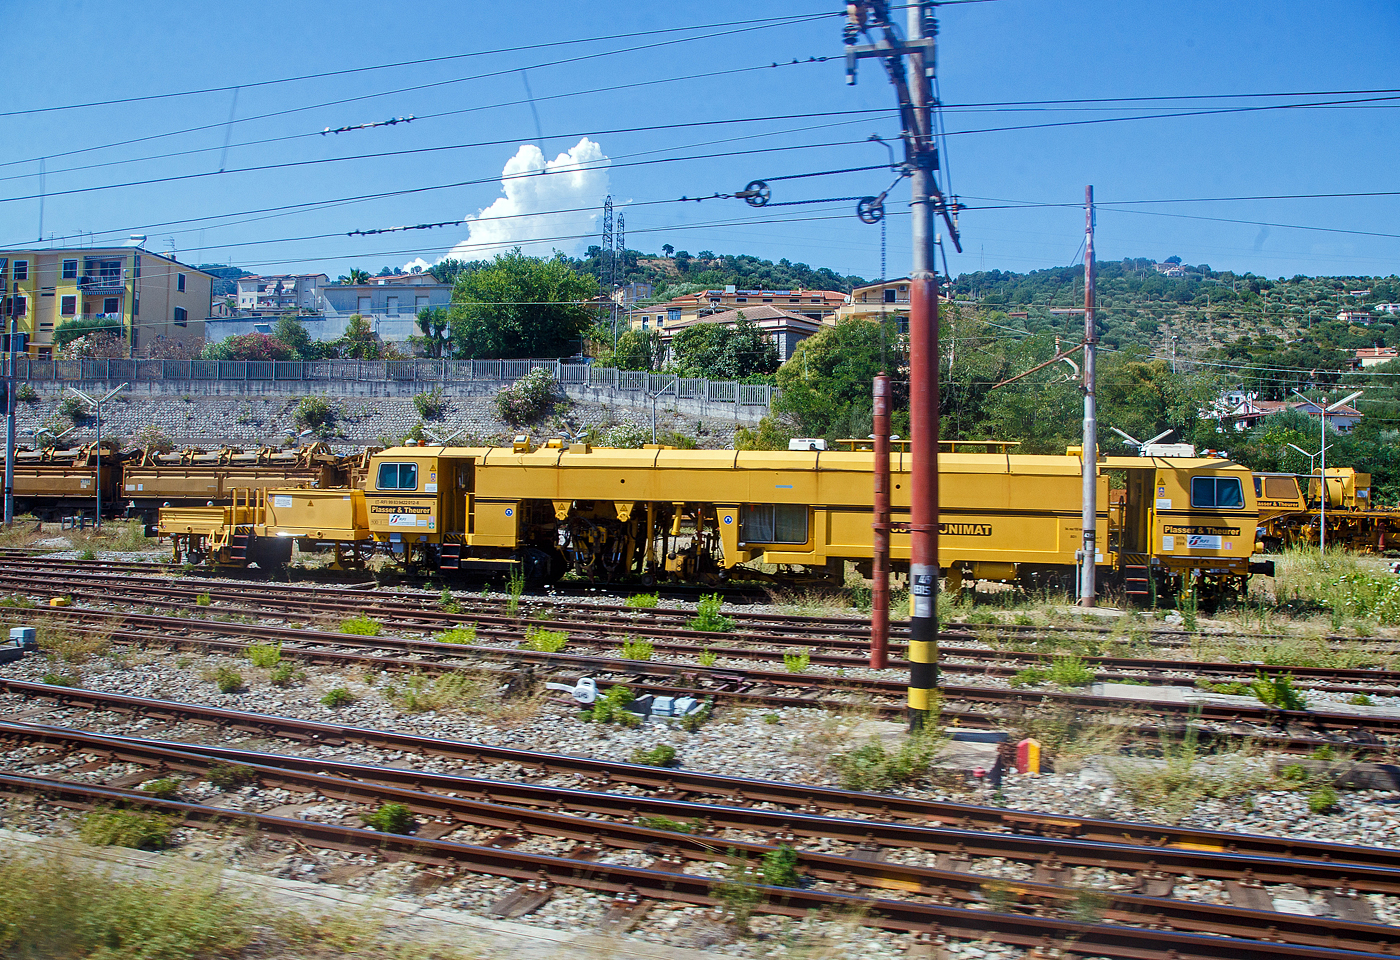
(96, 405)
(1323, 409)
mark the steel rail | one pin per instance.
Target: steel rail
(891, 809)
(506, 800)
(689, 679)
(1315, 721)
(513, 626)
(850, 626)
(1109, 939)
(349, 783)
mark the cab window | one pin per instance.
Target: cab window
(398, 476)
(1217, 492)
(1280, 488)
(773, 523)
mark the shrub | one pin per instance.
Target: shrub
(27, 394)
(265, 655)
(1278, 691)
(707, 615)
(448, 603)
(1070, 671)
(611, 707)
(1359, 700)
(780, 867)
(361, 626)
(73, 409)
(707, 657)
(1029, 677)
(62, 679)
(1323, 799)
(314, 413)
(635, 648)
(227, 679)
(798, 661)
(458, 635)
(658, 756)
(226, 776)
(126, 828)
(203, 600)
(625, 436)
(771, 718)
(528, 399)
(871, 767)
(338, 697)
(390, 818)
(165, 788)
(643, 601)
(284, 675)
(545, 641)
(431, 404)
(694, 721)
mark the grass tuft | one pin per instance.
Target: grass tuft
(643, 601)
(545, 641)
(635, 648)
(362, 626)
(227, 679)
(284, 675)
(265, 655)
(390, 818)
(661, 755)
(797, 661)
(228, 776)
(707, 616)
(126, 828)
(338, 697)
(166, 788)
(465, 635)
(1278, 691)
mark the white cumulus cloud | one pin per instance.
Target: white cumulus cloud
(534, 188)
(418, 262)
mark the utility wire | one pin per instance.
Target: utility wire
(761, 23)
(436, 83)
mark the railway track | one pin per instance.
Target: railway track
(777, 632)
(534, 810)
(1295, 731)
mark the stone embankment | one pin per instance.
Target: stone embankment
(190, 420)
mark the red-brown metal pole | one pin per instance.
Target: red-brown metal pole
(924, 572)
(880, 567)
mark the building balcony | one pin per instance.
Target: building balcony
(102, 283)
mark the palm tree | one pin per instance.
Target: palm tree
(359, 276)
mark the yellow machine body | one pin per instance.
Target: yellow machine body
(697, 514)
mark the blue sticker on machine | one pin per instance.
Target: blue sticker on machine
(728, 519)
(510, 512)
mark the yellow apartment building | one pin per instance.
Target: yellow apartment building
(149, 296)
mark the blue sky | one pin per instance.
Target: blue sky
(697, 83)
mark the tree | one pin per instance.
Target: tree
(294, 334)
(667, 249)
(826, 385)
(359, 341)
(436, 340)
(82, 327)
(721, 352)
(356, 275)
(639, 350)
(249, 346)
(519, 306)
(705, 255)
(447, 271)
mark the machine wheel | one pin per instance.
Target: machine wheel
(536, 565)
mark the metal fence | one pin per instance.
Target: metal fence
(635, 382)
